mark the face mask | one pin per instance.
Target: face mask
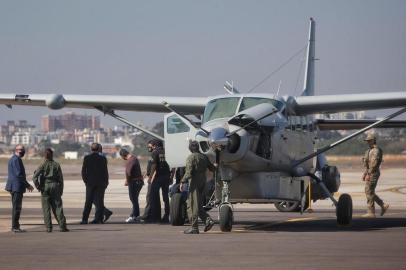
(149, 149)
(21, 153)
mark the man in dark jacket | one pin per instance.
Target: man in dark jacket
(16, 185)
(95, 175)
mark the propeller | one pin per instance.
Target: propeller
(220, 138)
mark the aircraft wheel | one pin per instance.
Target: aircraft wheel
(344, 210)
(286, 206)
(177, 210)
(226, 218)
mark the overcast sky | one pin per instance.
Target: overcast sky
(190, 48)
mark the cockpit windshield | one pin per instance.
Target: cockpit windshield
(220, 108)
(248, 102)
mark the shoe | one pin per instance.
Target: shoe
(107, 216)
(49, 230)
(64, 229)
(83, 222)
(96, 222)
(209, 225)
(369, 215)
(191, 231)
(17, 230)
(165, 219)
(384, 209)
(130, 220)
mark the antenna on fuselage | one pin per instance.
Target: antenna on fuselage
(229, 87)
(279, 88)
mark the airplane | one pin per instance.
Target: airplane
(263, 143)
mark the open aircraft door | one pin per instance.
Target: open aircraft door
(177, 135)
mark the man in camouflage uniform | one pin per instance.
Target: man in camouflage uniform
(195, 175)
(371, 161)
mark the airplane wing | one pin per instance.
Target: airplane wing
(186, 105)
(332, 124)
(303, 105)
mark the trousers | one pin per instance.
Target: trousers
(52, 200)
(370, 192)
(17, 203)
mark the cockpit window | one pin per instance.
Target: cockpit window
(249, 102)
(220, 108)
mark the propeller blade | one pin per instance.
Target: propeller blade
(253, 115)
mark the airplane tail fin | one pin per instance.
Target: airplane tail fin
(308, 86)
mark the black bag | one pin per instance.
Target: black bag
(39, 182)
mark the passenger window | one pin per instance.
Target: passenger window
(176, 125)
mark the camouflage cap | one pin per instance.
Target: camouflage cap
(370, 137)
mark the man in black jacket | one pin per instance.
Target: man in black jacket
(96, 177)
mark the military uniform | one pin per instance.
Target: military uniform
(51, 195)
(372, 161)
(195, 175)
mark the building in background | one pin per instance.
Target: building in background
(69, 121)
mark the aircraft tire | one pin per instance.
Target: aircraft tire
(226, 218)
(285, 206)
(177, 210)
(344, 210)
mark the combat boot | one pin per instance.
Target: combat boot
(384, 208)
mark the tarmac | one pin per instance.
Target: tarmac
(262, 237)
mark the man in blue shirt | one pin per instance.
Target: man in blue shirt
(16, 185)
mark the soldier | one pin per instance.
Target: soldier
(195, 176)
(16, 185)
(51, 195)
(372, 160)
(163, 177)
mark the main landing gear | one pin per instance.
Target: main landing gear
(343, 205)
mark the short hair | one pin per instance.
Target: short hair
(49, 154)
(151, 142)
(94, 147)
(100, 147)
(124, 152)
(158, 143)
(194, 147)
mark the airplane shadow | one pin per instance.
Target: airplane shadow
(325, 225)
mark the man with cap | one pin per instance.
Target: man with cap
(372, 161)
(195, 176)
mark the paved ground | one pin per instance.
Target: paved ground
(262, 238)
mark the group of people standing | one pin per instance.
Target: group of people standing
(96, 178)
(48, 179)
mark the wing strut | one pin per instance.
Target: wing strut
(328, 147)
(119, 118)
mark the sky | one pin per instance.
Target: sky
(190, 48)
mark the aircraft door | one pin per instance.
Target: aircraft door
(177, 133)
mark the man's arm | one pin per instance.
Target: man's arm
(20, 172)
(84, 170)
(60, 178)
